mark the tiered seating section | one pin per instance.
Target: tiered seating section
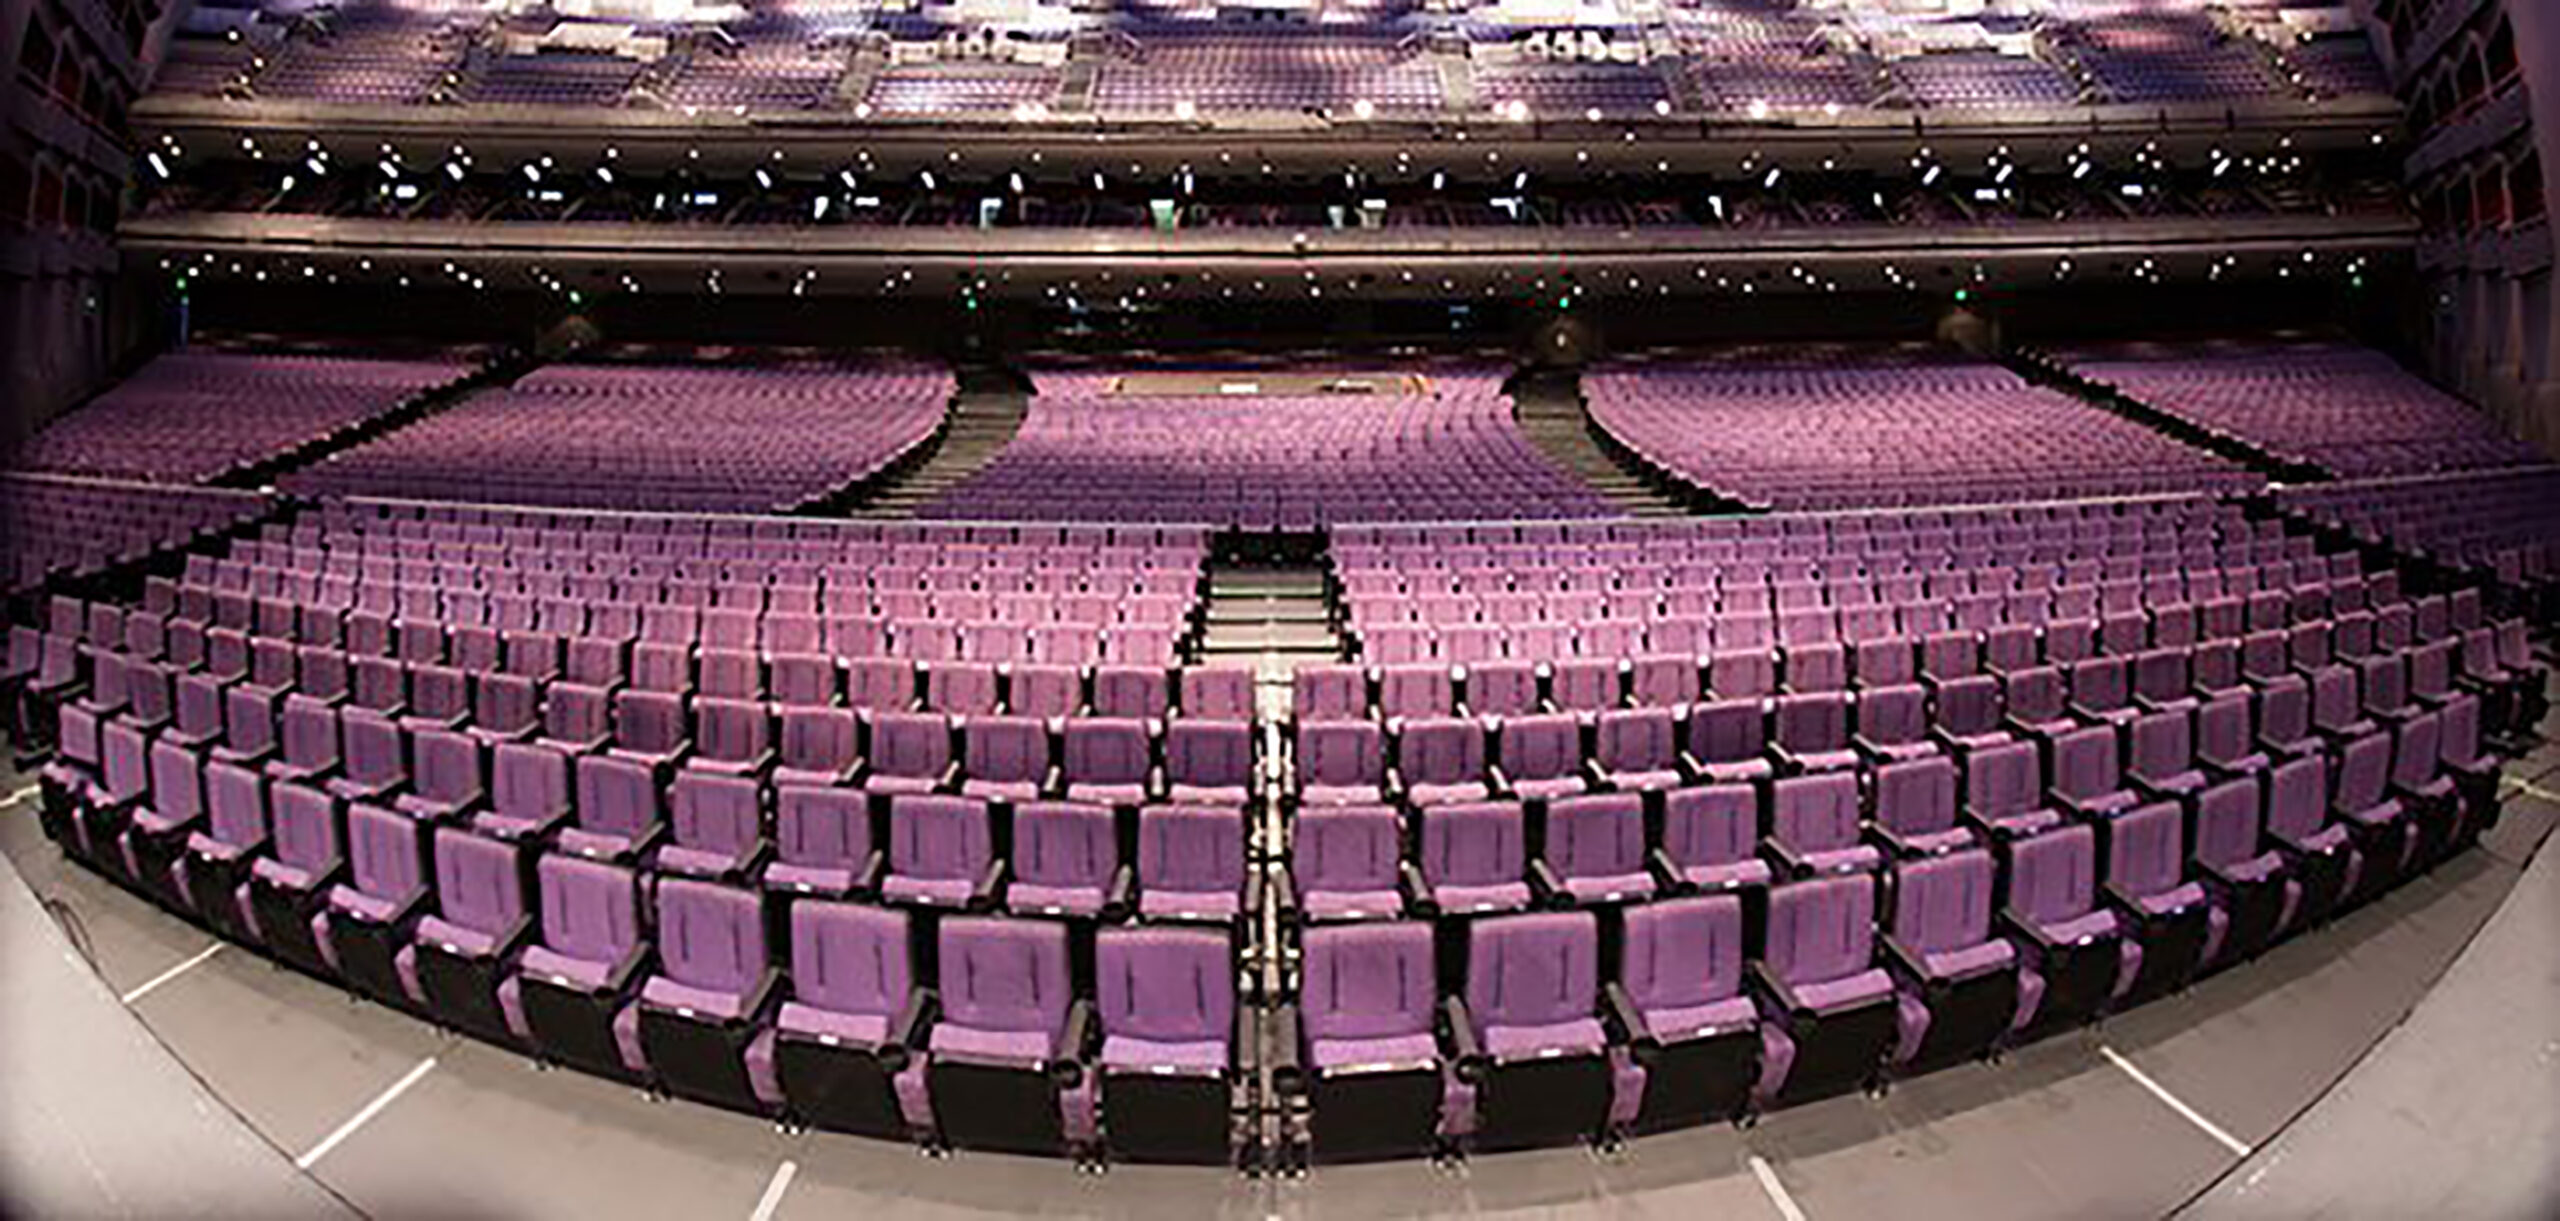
(189, 417)
(1746, 56)
(517, 791)
(2350, 410)
(2498, 527)
(1796, 431)
(1433, 448)
(652, 436)
(57, 529)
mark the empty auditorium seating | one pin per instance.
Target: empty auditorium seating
(54, 529)
(189, 417)
(1882, 429)
(2350, 410)
(1438, 451)
(747, 439)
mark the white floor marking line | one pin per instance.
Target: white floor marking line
(1777, 1191)
(2530, 789)
(2238, 1147)
(153, 984)
(21, 795)
(772, 1198)
(365, 1116)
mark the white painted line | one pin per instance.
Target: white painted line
(365, 1116)
(2530, 789)
(1777, 1191)
(21, 795)
(772, 1199)
(153, 984)
(2237, 1147)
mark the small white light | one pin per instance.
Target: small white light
(1364, 110)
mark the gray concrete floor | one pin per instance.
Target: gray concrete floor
(2057, 1129)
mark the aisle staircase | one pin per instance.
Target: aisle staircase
(1550, 411)
(984, 416)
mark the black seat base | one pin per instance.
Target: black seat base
(462, 992)
(1699, 1081)
(574, 1027)
(1373, 1116)
(368, 958)
(1837, 1052)
(698, 1058)
(1153, 1117)
(1967, 1019)
(2172, 947)
(2077, 981)
(284, 923)
(840, 1089)
(996, 1108)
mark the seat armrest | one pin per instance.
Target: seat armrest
(1120, 895)
(1288, 1075)
(988, 890)
(1499, 780)
(761, 999)
(1547, 883)
(1243, 1038)
(1250, 905)
(2124, 902)
(1417, 890)
(1785, 855)
(1596, 778)
(1084, 1029)
(949, 781)
(1666, 872)
(618, 982)
(1458, 1029)
(2015, 923)
(907, 1030)
(1625, 1022)
(1050, 783)
(411, 908)
(512, 942)
(651, 840)
(1904, 962)
(1758, 977)
(1690, 768)
(866, 880)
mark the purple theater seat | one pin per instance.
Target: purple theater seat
(367, 924)
(1915, 808)
(823, 843)
(1710, 837)
(1474, 857)
(1066, 862)
(1171, 1035)
(715, 827)
(2070, 951)
(848, 1043)
(1679, 987)
(1828, 1016)
(941, 853)
(1358, 1043)
(1007, 759)
(1595, 850)
(1209, 762)
(1007, 1064)
(1813, 826)
(1347, 863)
(1637, 749)
(1541, 1064)
(705, 1012)
(1956, 982)
(621, 809)
(1342, 762)
(1109, 761)
(461, 953)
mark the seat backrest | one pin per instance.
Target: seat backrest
(1416, 690)
(2297, 798)
(2146, 848)
(1165, 985)
(1681, 953)
(1007, 749)
(2418, 751)
(910, 744)
(1727, 731)
(728, 730)
(2053, 876)
(1005, 975)
(1637, 740)
(1943, 902)
(1060, 843)
(1541, 747)
(374, 751)
(1191, 849)
(617, 796)
(1107, 750)
(2364, 773)
(478, 886)
(236, 803)
(1368, 981)
(1892, 715)
(177, 781)
(1817, 812)
(446, 765)
(1208, 754)
(1441, 750)
(1821, 929)
(1601, 835)
(1532, 970)
(820, 739)
(1329, 692)
(2085, 763)
(1473, 844)
(383, 850)
(822, 828)
(1345, 848)
(1916, 796)
(2163, 745)
(1502, 688)
(850, 958)
(2227, 822)
(1341, 753)
(306, 822)
(1223, 693)
(1710, 825)
(716, 813)
(935, 836)
(1818, 721)
(710, 936)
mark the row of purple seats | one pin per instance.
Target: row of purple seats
(2351, 410)
(189, 416)
(2497, 527)
(54, 528)
(653, 437)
